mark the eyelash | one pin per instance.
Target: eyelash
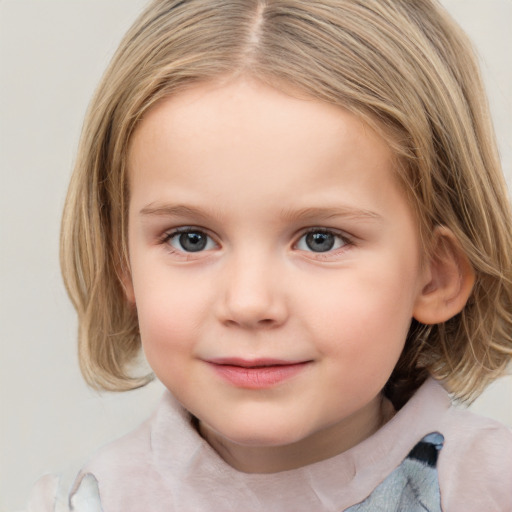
(345, 240)
(169, 236)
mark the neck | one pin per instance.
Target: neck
(318, 446)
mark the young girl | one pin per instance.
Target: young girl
(296, 209)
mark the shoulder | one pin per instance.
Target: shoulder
(131, 449)
(475, 464)
(125, 470)
(50, 494)
(122, 468)
(44, 494)
(83, 487)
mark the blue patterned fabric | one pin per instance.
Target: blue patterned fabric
(413, 486)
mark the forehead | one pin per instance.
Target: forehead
(252, 139)
(202, 108)
(250, 113)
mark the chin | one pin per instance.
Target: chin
(262, 435)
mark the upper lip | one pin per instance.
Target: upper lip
(253, 363)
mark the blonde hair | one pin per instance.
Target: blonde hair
(404, 67)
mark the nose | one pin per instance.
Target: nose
(253, 295)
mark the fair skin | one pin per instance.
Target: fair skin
(300, 254)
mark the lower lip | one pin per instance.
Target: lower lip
(262, 377)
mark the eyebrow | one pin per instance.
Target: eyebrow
(169, 210)
(326, 213)
(303, 214)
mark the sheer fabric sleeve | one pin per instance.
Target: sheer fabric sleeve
(44, 494)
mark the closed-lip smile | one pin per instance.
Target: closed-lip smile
(258, 373)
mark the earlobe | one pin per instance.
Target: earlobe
(450, 280)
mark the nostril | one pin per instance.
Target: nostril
(263, 323)
(268, 323)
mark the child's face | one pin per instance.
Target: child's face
(269, 231)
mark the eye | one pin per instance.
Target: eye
(321, 240)
(190, 240)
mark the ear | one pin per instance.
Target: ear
(449, 280)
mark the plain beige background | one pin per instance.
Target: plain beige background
(52, 53)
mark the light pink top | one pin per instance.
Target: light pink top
(165, 466)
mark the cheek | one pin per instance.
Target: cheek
(363, 310)
(362, 321)
(362, 346)
(170, 319)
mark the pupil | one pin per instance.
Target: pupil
(320, 242)
(193, 242)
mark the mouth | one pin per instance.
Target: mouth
(256, 373)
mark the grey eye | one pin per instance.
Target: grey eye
(320, 241)
(191, 241)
